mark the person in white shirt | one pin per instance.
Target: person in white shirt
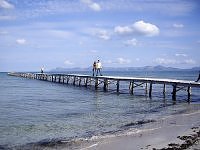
(99, 67)
(42, 70)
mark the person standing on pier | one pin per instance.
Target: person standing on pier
(42, 70)
(99, 67)
(94, 69)
(198, 78)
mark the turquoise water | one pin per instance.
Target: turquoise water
(34, 111)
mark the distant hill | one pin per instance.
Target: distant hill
(145, 68)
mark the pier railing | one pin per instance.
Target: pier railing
(96, 81)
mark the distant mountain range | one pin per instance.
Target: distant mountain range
(145, 68)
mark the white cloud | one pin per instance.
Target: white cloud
(190, 61)
(93, 51)
(123, 61)
(138, 28)
(100, 33)
(144, 28)
(6, 5)
(168, 61)
(3, 32)
(103, 34)
(21, 41)
(183, 55)
(132, 42)
(68, 62)
(165, 61)
(123, 30)
(178, 25)
(7, 17)
(170, 7)
(118, 61)
(137, 59)
(94, 6)
(59, 33)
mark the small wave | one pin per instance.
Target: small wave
(141, 122)
(52, 144)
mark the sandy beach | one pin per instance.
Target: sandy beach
(174, 132)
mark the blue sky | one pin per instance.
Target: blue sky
(121, 33)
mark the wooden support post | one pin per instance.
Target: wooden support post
(150, 89)
(68, 79)
(146, 88)
(74, 82)
(96, 83)
(59, 79)
(105, 84)
(189, 90)
(90, 81)
(117, 86)
(164, 89)
(79, 81)
(131, 86)
(51, 78)
(174, 92)
(63, 77)
(86, 82)
(55, 79)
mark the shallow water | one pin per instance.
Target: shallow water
(33, 111)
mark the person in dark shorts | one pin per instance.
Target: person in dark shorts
(94, 69)
(198, 78)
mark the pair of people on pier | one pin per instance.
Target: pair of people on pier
(97, 66)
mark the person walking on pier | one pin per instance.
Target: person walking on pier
(198, 78)
(94, 69)
(99, 67)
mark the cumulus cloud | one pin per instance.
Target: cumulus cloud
(21, 41)
(137, 59)
(6, 5)
(144, 28)
(138, 28)
(132, 42)
(3, 32)
(178, 25)
(93, 51)
(94, 6)
(165, 61)
(103, 34)
(59, 33)
(123, 30)
(118, 61)
(182, 55)
(123, 61)
(190, 61)
(168, 61)
(100, 33)
(68, 62)
(7, 17)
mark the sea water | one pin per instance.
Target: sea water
(34, 111)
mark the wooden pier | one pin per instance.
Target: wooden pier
(105, 81)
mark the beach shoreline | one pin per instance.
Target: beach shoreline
(180, 131)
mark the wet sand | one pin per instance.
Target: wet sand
(180, 131)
